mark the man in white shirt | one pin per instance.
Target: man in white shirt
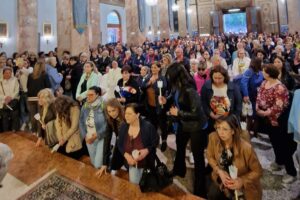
(9, 101)
(240, 64)
(110, 81)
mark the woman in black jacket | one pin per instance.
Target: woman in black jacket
(128, 88)
(114, 113)
(155, 113)
(137, 142)
(37, 81)
(220, 97)
(188, 121)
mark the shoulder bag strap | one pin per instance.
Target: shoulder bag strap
(2, 88)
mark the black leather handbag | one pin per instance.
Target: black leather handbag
(154, 180)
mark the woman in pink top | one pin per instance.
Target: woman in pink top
(201, 76)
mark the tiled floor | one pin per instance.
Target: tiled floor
(30, 163)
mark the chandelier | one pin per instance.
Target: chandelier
(151, 2)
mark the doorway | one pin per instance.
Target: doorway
(114, 31)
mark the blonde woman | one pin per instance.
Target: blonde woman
(37, 81)
(88, 79)
(46, 130)
(166, 61)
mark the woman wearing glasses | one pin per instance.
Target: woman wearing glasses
(201, 76)
(226, 148)
(93, 129)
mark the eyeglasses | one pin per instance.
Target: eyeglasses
(201, 69)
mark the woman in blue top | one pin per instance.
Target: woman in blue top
(93, 128)
(250, 82)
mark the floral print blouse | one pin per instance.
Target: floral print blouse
(275, 98)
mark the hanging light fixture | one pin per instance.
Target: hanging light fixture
(150, 31)
(158, 31)
(151, 2)
(175, 7)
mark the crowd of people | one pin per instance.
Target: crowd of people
(199, 89)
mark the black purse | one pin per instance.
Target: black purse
(154, 180)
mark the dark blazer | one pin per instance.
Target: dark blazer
(77, 70)
(191, 115)
(102, 64)
(132, 83)
(35, 85)
(145, 86)
(149, 139)
(136, 62)
(233, 94)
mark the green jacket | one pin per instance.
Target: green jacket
(92, 81)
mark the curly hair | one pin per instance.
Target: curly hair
(63, 106)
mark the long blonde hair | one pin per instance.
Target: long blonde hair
(38, 70)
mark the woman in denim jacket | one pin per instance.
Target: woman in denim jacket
(93, 129)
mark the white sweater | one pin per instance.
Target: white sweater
(11, 89)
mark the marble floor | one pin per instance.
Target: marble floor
(273, 188)
(31, 163)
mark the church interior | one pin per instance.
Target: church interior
(66, 66)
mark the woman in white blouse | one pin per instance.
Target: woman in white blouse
(240, 64)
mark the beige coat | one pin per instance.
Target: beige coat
(245, 159)
(71, 133)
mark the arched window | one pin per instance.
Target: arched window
(114, 32)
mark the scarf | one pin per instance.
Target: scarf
(95, 105)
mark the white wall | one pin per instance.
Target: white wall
(47, 14)
(8, 14)
(105, 9)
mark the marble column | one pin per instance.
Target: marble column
(268, 15)
(134, 35)
(182, 28)
(27, 26)
(294, 15)
(164, 26)
(67, 36)
(205, 24)
(94, 10)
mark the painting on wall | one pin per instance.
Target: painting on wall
(47, 29)
(3, 29)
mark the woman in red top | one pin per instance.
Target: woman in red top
(272, 100)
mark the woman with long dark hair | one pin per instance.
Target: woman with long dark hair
(114, 112)
(67, 126)
(185, 110)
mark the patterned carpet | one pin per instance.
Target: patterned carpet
(273, 188)
(58, 187)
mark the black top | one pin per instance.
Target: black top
(149, 139)
(35, 85)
